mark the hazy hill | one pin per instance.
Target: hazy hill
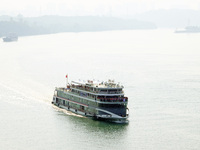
(21, 28)
(89, 23)
(55, 24)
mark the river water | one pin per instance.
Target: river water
(159, 69)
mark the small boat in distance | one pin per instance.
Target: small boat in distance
(189, 29)
(98, 100)
(10, 37)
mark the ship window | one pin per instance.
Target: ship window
(82, 107)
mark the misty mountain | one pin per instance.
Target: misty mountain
(56, 24)
(21, 28)
(171, 18)
(89, 23)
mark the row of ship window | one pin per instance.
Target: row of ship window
(84, 94)
(103, 91)
(75, 106)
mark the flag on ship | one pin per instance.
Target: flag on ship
(67, 80)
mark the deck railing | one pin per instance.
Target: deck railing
(124, 99)
(96, 92)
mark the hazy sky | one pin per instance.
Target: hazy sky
(90, 7)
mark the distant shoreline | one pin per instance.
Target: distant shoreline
(59, 24)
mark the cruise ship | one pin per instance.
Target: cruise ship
(98, 100)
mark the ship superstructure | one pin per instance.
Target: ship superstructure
(99, 100)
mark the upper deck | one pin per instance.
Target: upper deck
(98, 88)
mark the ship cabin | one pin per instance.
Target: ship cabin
(104, 95)
(103, 92)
